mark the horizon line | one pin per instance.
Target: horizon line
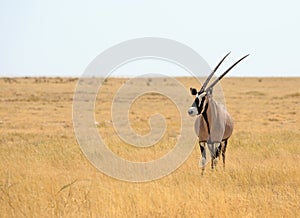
(127, 77)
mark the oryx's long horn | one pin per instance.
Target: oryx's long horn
(212, 73)
(230, 68)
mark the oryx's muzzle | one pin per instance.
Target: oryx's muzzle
(193, 111)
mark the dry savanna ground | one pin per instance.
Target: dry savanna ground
(43, 172)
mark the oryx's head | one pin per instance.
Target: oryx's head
(201, 101)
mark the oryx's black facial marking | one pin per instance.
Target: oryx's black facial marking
(196, 102)
(201, 106)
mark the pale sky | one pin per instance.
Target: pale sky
(60, 38)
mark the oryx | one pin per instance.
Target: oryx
(213, 125)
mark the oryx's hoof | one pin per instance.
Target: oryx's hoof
(202, 172)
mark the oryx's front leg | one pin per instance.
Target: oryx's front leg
(215, 150)
(202, 161)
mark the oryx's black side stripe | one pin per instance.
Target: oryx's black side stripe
(204, 114)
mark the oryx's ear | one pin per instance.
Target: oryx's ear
(193, 91)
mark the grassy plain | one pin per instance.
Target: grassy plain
(43, 172)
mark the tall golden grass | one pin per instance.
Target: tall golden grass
(43, 172)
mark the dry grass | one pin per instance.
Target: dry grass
(43, 172)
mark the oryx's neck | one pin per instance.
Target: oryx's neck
(208, 104)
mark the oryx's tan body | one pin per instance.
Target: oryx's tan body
(220, 123)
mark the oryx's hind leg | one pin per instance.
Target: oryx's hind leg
(203, 155)
(224, 151)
